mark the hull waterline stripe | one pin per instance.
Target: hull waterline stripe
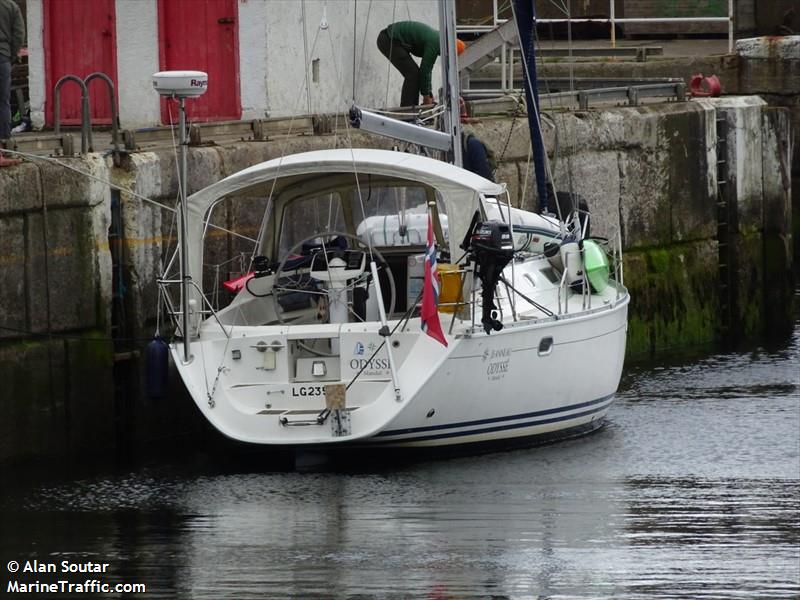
(530, 415)
(485, 430)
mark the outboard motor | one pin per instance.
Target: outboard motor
(492, 248)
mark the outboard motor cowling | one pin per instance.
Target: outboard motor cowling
(492, 248)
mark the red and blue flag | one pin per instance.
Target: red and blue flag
(429, 313)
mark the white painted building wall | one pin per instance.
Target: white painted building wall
(137, 60)
(35, 39)
(296, 28)
(275, 36)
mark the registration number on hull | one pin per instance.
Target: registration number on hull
(305, 391)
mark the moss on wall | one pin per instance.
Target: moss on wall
(57, 395)
(674, 297)
(747, 324)
(32, 406)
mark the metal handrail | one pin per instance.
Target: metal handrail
(612, 20)
(86, 133)
(112, 98)
(177, 313)
(87, 144)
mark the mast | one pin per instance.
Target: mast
(525, 16)
(450, 89)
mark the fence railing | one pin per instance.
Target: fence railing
(612, 21)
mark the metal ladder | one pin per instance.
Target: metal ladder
(727, 227)
(86, 118)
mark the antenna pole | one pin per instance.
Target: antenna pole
(186, 278)
(451, 95)
(181, 85)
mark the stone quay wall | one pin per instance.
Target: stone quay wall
(653, 174)
(765, 66)
(698, 191)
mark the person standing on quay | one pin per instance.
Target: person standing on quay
(12, 36)
(398, 42)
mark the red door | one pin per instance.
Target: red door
(202, 35)
(79, 39)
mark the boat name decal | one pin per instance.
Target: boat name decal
(499, 359)
(379, 364)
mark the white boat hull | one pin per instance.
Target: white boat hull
(312, 314)
(538, 395)
(482, 388)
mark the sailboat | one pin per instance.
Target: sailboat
(398, 301)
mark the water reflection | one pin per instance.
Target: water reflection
(690, 492)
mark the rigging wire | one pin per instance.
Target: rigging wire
(353, 159)
(111, 185)
(114, 186)
(175, 147)
(389, 62)
(556, 151)
(363, 47)
(305, 52)
(355, 39)
(525, 66)
(572, 89)
(165, 253)
(284, 147)
(516, 114)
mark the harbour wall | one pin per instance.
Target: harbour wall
(765, 66)
(698, 191)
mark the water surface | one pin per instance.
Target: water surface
(691, 491)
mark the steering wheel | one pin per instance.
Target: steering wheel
(318, 289)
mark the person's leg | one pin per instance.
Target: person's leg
(5, 109)
(384, 42)
(5, 97)
(409, 96)
(403, 62)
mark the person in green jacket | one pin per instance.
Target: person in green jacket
(404, 39)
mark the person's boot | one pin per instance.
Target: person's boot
(7, 162)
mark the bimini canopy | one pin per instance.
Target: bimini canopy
(459, 188)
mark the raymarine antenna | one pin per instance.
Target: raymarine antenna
(182, 85)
